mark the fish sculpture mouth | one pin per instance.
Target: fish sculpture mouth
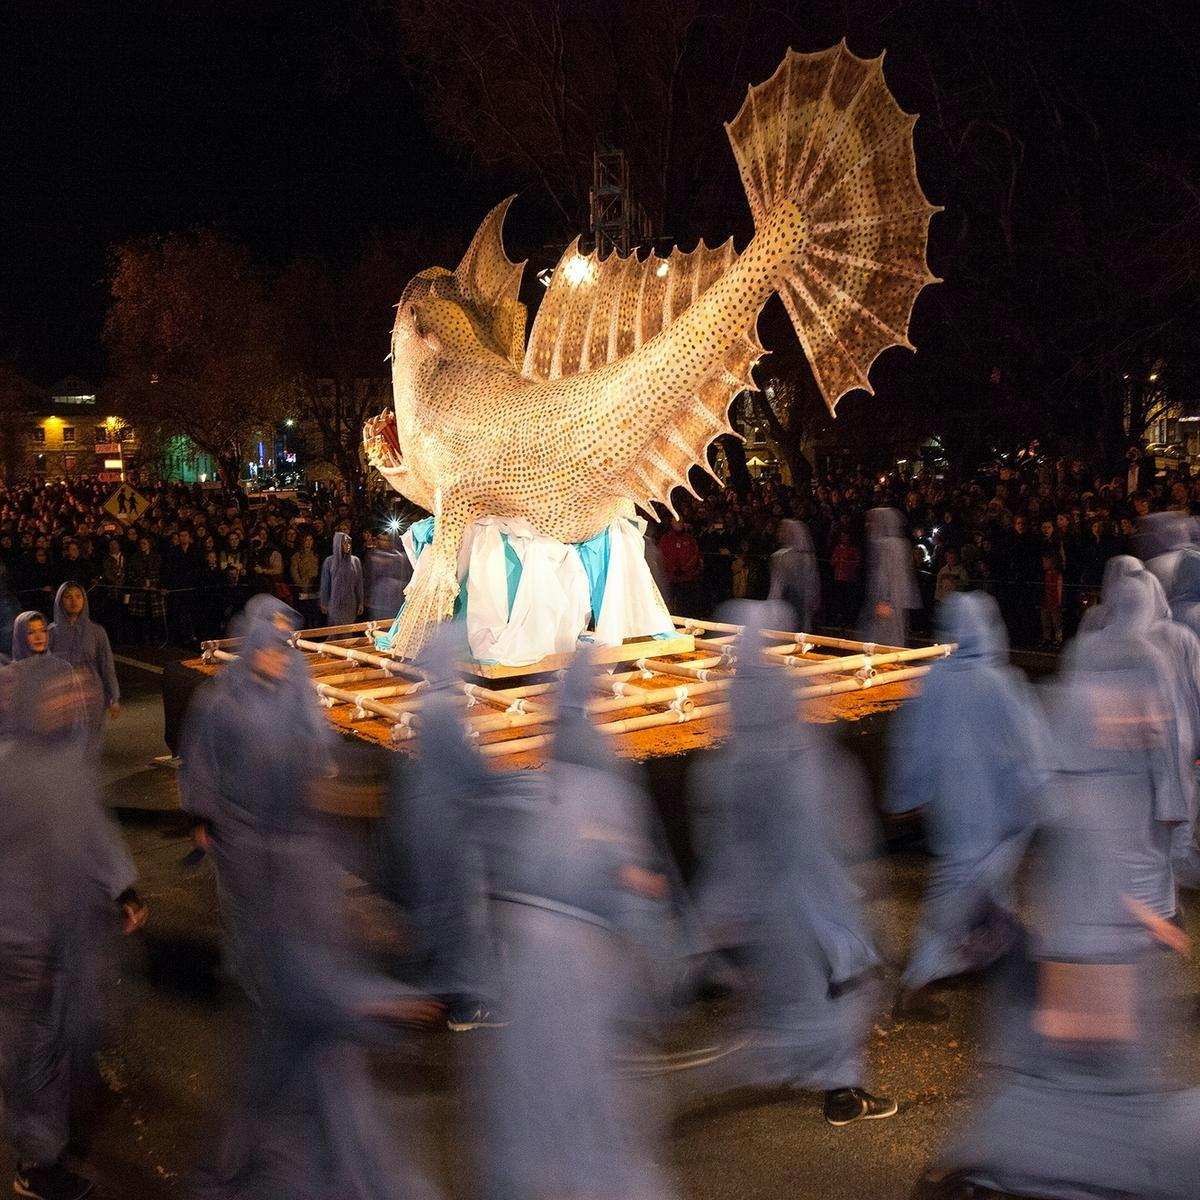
(381, 442)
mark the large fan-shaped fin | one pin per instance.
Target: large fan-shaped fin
(595, 312)
(825, 133)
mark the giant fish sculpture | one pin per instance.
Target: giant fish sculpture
(632, 362)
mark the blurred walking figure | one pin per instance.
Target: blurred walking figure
(305, 1118)
(434, 863)
(571, 871)
(1161, 538)
(773, 889)
(388, 573)
(967, 753)
(1080, 1103)
(891, 588)
(341, 584)
(62, 868)
(1185, 610)
(74, 636)
(795, 578)
(1134, 607)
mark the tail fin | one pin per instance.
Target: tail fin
(826, 135)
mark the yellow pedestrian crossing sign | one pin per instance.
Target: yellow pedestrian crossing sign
(125, 504)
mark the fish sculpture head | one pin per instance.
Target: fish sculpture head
(469, 314)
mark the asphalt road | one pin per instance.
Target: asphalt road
(177, 1029)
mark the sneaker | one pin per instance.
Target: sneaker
(473, 1016)
(918, 1007)
(54, 1182)
(844, 1106)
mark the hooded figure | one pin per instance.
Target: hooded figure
(891, 589)
(968, 751)
(434, 863)
(1137, 608)
(342, 584)
(1161, 538)
(30, 636)
(255, 743)
(795, 578)
(773, 888)
(62, 867)
(1080, 1104)
(75, 637)
(388, 573)
(566, 851)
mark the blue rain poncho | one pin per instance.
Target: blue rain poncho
(560, 847)
(432, 854)
(253, 750)
(1161, 538)
(62, 865)
(773, 886)
(1078, 1105)
(795, 577)
(891, 580)
(84, 644)
(341, 585)
(968, 751)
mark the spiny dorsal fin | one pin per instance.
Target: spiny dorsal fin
(677, 446)
(486, 275)
(595, 312)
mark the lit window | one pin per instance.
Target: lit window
(68, 433)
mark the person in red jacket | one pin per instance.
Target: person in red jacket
(682, 567)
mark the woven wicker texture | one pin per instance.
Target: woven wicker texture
(632, 363)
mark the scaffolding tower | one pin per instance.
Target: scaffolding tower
(618, 223)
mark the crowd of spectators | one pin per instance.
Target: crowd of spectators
(1032, 530)
(177, 569)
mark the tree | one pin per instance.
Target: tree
(194, 342)
(336, 321)
(14, 424)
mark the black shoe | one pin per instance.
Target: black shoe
(54, 1182)
(844, 1106)
(918, 1007)
(465, 1017)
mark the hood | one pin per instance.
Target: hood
(885, 522)
(1162, 532)
(973, 621)
(20, 638)
(1130, 604)
(265, 621)
(60, 616)
(1185, 588)
(762, 701)
(41, 699)
(794, 535)
(339, 545)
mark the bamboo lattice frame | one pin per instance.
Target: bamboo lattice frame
(649, 684)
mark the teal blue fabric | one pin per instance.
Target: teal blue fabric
(594, 555)
(422, 532)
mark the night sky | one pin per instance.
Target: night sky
(124, 118)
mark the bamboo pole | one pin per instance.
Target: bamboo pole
(814, 639)
(503, 700)
(390, 665)
(813, 691)
(831, 666)
(327, 630)
(632, 697)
